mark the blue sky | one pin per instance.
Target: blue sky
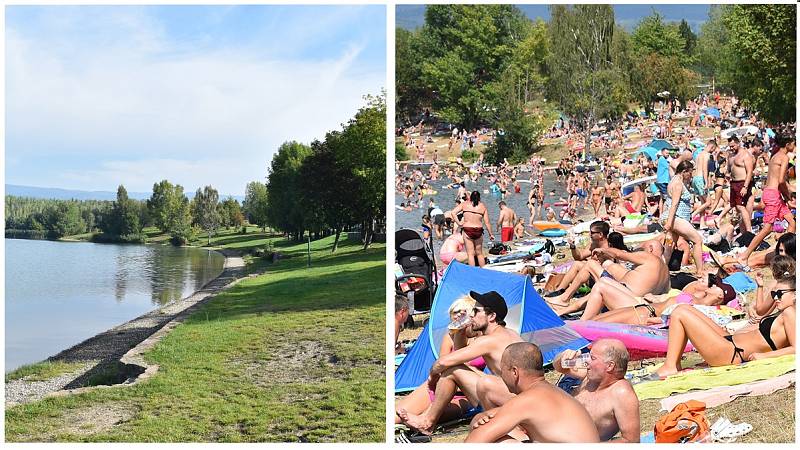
(97, 96)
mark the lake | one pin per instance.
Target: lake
(60, 293)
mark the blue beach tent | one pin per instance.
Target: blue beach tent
(651, 152)
(527, 313)
(713, 112)
(660, 144)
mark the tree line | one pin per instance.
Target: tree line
(488, 65)
(124, 219)
(328, 186)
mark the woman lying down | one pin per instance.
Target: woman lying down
(775, 335)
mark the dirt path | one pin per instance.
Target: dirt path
(112, 349)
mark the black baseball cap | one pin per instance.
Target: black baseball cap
(493, 301)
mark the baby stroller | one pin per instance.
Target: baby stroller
(416, 276)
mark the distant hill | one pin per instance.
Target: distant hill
(71, 194)
(410, 17)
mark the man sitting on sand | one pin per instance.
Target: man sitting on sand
(618, 284)
(452, 371)
(544, 412)
(604, 392)
(579, 271)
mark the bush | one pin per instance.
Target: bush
(108, 238)
(400, 153)
(470, 155)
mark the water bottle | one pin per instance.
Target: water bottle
(460, 322)
(579, 362)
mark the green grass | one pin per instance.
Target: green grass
(43, 370)
(293, 355)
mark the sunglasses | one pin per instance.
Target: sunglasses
(778, 294)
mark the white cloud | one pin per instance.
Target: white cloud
(143, 107)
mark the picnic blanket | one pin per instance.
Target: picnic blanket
(716, 376)
(725, 394)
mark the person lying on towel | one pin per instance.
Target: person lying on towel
(539, 412)
(647, 310)
(775, 335)
(452, 371)
(603, 390)
(619, 286)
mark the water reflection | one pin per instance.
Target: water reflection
(58, 294)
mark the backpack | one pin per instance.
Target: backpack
(499, 249)
(686, 422)
(549, 247)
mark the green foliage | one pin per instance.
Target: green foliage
(206, 210)
(400, 153)
(463, 49)
(33, 218)
(763, 42)
(283, 184)
(256, 203)
(585, 81)
(65, 220)
(231, 213)
(652, 35)
(689, 38)
(714, 56)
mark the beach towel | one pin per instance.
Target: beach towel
(716, 376)
(741, 282)
(725, 394)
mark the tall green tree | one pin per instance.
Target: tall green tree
(713, 53)
(256, 204)
(65, 220)
(763, 73)
(205, 210)
(689, 38)
(465, 49)
(123, 221)
(583, 79)
(652, 35)
(283, 184)
(231, 213)
(170, 211)
(360, 150)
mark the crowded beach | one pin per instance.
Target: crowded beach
(664, 250)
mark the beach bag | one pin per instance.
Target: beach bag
(499, 249)
(549, 247)
(686, 422)
(675, 260)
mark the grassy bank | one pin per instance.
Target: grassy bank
(296, 354)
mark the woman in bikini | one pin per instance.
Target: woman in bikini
(421, 398)
(775, 335)
(473, 212)
(677, 217)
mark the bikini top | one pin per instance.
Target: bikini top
(764, 327)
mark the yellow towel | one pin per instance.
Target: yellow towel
(716, 376)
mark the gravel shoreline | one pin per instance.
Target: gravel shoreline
(104, 350)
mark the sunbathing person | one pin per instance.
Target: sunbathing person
(452, 371)
(598, 235)
(544, 412)
(775, 335)
(782, 266)
(649, 276)
(784, 246)
(591, 271)
(604, 392)
(421, 398)
(647, 310)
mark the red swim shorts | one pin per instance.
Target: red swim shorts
(774, 207)
(507, 234)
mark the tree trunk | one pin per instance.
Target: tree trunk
(368, 232)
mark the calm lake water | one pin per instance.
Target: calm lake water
(445, 199)
(61, 293)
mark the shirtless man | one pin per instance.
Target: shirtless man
(604, 392)
(776, 193)
(505, 222)
(581, 269)
(452, 371)
(741, 165)
(544, 412)
(617, 284)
